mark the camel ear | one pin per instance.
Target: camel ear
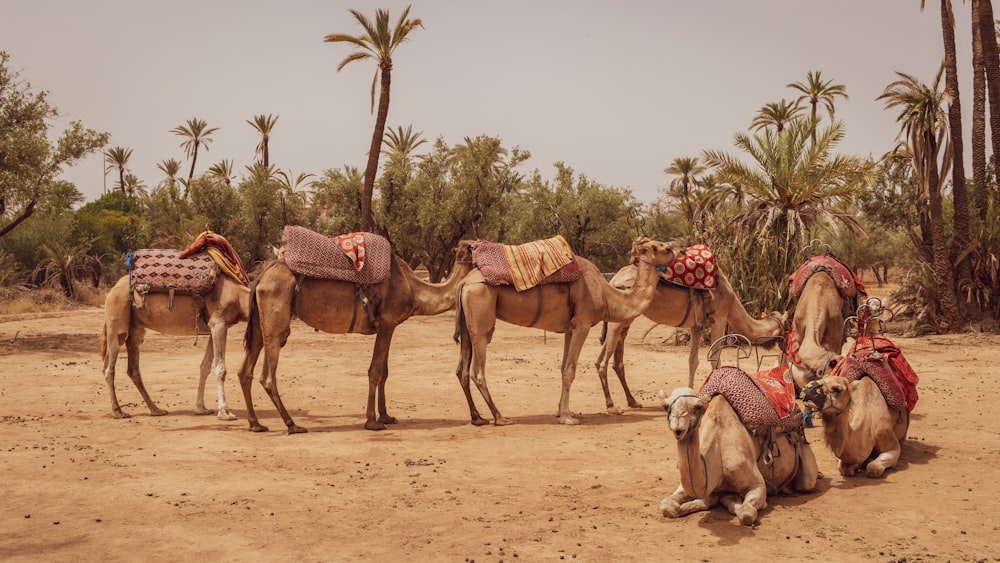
(661, 394)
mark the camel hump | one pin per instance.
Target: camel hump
(363, 258)
(847, 281)
(164, 269)
(526, 265)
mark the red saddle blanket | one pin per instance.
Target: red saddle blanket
(527, 265)
(878, 358)
(848, 283)
(695, 269)
(164, 269)
(318, 256)
(222, 252)
(763, 400)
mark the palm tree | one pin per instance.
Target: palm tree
(263, 124)
(133, 186)
(924, 132)
(171, 167)
(377, 43)
(116, 159)
(223, 170)
(991, 65)
(196, 133)
(687, 170)
(776, 114)
(817, 91)
(978, 117)
(402, 141)
(291, 183)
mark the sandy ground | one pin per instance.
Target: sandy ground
(77, 484)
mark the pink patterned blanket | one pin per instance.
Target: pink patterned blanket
(164, 269)
(847, 282)
(878, 358)
(312, 254)
(527, 265)
(696, 269)
(764, 400)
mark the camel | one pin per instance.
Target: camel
(819, 328)
(861, 428)
(720, 460)
(571, 308)
(333, 306)
(177, 315)
(681, 307)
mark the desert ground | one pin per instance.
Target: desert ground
(79, 485)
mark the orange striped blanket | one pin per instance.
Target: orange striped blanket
(526, 265)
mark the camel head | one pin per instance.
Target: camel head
(655, 252)
(831, 393)
(684, 411)
(463, 252)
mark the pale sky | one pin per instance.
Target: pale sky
(616, 90)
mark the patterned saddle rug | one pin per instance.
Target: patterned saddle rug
(155, 269)
(526, 265)
(696, 269)
(763, 400)
(362, 258)
(848, 283)
(878, 358)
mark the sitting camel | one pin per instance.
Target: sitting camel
(682, 307)
(338, 307)
(571, 308)
(125, 322)
(720, 460)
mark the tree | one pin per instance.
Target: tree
(263, 124)
(223, 170)
(775, 114)
(402, 141)
(991, 66)
(171, 167)
(29, 162)
(687, 170)
(196, 133)
(378, 43)
(924, 132)
(116, 159)
(133, 186)
(817, 91)
(979, 188)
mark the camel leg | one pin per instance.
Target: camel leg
(681, 504)
(890, 449)
(754, 501)
(253, 344)
(575, 338)
(693, 354)
(619, 366)
(462, 372)
(132, 345)
(601, 364)
(479, 377)
(378, 372)
(805, 480)
(112, 346)
(269, 376)
(217, 342)
(206, 366)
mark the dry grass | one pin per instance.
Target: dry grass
(19, 300)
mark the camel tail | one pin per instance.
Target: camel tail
(604, 332)
(254, 337)
(459, 318)
(104, 342)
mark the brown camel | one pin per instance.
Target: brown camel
(178, 315)
(333, 306)
(571, 308)
(818, 326)
(720, 460)
(681, 307)
(858, 424)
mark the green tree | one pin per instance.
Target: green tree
(775, 114)
(223, 171)
(116, 159)
(29, 162)
(402, 142)
(816, 92)
(378, 43)
(924, 132)
(213, 201)
(171, 167)
(197, 134)
(264, 124)
(133, 186)
(687, 170)
(114, 225)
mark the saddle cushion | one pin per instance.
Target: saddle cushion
(696, 269)
(764, 400)
(164, 269)
(311, 254)
(222, 252)
(848, 283)
(878, 358)
(526, 265)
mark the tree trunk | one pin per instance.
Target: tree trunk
(121, 178)
(941, 264)
(978, 117)
(991, 63)
(367, 220)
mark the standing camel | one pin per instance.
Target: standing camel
(175, 315)
(685, 308)
(571, 308)
(333, 306)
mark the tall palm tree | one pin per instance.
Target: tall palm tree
(979, 189)
(196, 133)
(263, 124)
(776, 114)
(817, 91)
(991, 65)
(171, 167)
(402, 141)
(223, 170)
(924, 131)
(116, 159)
(378, 43)
(687, 170)
(133, 186)
(291, 184)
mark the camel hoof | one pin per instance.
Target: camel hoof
(634, 405)
(255, 427)
(374, 425)
(874, 470)
(479, 421)
(120, 414)
(202, 411)
(157, 412)
(296, 429)
(227, 416)
(747, 514)
(669, 508)
(503, 421)
(615, 410)
(568, 420)
(386, 419)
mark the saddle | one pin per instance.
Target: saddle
(527, 265)
(878, 358)
(848, 283)
(361, 258)
(764, 400)
(695, 270)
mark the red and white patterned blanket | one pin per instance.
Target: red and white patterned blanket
(695, 269)
(878, 358)
(163, 269)
(526, 265)
(848, 283)
(312, 254)
(763, 400)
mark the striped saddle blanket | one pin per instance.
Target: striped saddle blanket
(155, 269)
(362, 258)
(763, 400)
(526, 265)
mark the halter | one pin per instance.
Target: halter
(829, 392)
(687, 446)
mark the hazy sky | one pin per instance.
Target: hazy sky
(616, 90)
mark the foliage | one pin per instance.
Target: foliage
(336, 202)
(263, 213)
(114, 224)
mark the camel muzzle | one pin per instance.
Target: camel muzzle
(814, 395)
